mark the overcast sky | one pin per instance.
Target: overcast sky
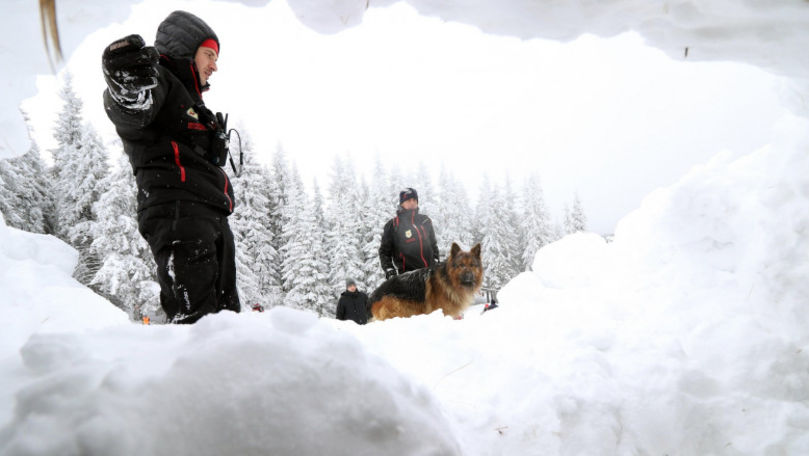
(608, 118)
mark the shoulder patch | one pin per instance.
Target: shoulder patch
(193, 114)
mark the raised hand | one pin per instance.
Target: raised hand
(130, 69)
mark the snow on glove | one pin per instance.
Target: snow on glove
(389, 273)
(130, 69)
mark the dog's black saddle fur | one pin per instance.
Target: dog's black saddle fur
(410, 286)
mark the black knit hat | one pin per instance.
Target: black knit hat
(407, 194)
(350, 282)
(180, 35)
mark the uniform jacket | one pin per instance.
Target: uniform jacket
(408, 242)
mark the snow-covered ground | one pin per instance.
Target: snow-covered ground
(689, 334)
(686, 335)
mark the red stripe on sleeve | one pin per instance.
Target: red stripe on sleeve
(177, 160)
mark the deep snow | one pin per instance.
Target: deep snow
(770, 34)
(688, 334)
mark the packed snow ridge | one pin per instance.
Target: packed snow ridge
(771, 35)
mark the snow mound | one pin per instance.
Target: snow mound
(280, 382)
(39, 294)
(696, 325)
(576, 259)
(769, 34)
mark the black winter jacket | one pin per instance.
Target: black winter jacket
(408, 241)
(168, 143)
(353, 306)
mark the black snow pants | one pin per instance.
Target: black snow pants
(196, 266)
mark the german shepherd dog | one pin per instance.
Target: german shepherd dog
(449, 286)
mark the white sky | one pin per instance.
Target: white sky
(609, 119)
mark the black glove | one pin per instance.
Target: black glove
(130, 69)
(389, 273)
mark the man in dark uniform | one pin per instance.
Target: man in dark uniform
(176, 147)
(353, 304)
(408, 240)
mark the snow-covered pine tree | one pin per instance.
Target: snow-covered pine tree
(277, 193)
(80, 162)
(452, 220)
(497, 251)
(575, 220)
(300, 267)
(441, 217)
(512, 239)
(355, 220)
(375, 210)
(89, 172)
(577, 212)
(423, 183)
(126, 275)
(397, 182)
(26, 201)
(319, 211)
(68, 131)
(18, 205)
(41, 218)
(256, 258)
(535, 225)
(323, 290)
(480, 221)
(343, 220)
(8, 199)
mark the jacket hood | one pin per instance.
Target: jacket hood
(180, 35)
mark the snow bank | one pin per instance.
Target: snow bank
(83, 380)
(280, 382)
(39, 294)
(771, 35)
(693, 339)
(24, 55)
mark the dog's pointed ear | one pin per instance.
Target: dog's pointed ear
(476, 250)
(454, 250)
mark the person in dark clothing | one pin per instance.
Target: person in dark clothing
(408, 240)
(490, 305)
(353, 304)
(176, 147)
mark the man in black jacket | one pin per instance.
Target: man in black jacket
(353, 304)
(408, 240)
(176, 147)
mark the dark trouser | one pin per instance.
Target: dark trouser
(195, 255)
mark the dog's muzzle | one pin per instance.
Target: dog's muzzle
(467, 278)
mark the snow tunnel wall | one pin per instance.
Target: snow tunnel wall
(768, 34)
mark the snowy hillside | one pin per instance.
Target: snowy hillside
(688, 334)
